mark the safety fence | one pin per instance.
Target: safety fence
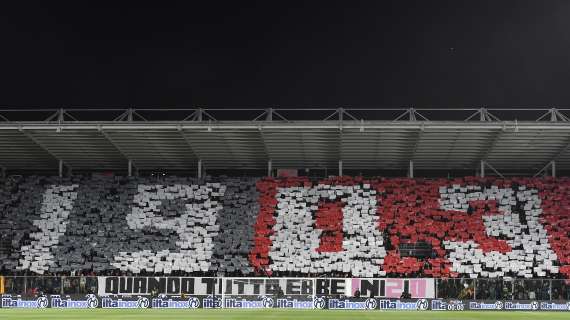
(296, 293)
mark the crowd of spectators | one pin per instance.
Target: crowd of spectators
(464, 289)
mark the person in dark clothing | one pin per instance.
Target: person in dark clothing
(357, 294)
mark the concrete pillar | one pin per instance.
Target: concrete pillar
(553, 165)
(61, 168)
(130, 168)
(411, 169)
(2, 172)
(339, 168)
(200, 169)
(482, 169)
(269, 168)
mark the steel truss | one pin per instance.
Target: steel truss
(507, 141)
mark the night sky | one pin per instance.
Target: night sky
(294, 54)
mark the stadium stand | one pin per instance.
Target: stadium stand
(345, 226)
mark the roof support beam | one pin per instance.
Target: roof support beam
(340, 113)
(268, 114)
(131, 164)
(558, 154)
(488, 165)
(416, 137)
(188, 143)
(59, 116)
(276, 135)
(538, 113)
(564, 148)
(45, 148)
(490, 144)
(129, 116)
(412, 114)
(200, 115)
(554, 115)
(452, 148)
(411, 169)
(262, 139)
(484, 115)
(551, 165)
(358, 125)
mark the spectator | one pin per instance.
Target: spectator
(357, 293)
(531, 295)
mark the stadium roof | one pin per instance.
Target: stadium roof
(509, 140)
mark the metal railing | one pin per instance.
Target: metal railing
(503, 289)
(452, 288)
(34, 285)
(278, 114)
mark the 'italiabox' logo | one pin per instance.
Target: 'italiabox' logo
(422, 304)
(371, 303)
(193, 302)
(92, 301)
(319, 302)
(142, 302)
(42, 302)
(267, 302)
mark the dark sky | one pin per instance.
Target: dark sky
(269, 53)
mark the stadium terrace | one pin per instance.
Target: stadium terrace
(125, 223)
